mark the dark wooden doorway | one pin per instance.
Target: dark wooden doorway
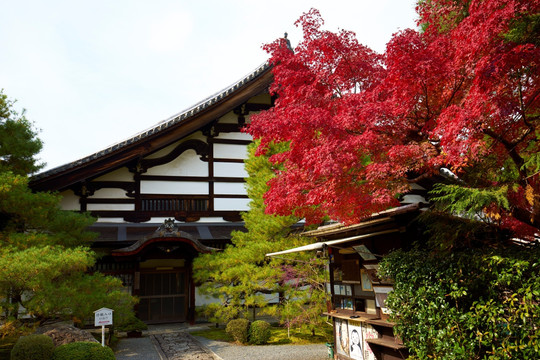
(163, 296)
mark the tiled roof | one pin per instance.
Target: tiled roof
(163, 125)
(373, 219)
(176, 236)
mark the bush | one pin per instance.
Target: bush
(83, 351)
(132, 324)
(259, 332)
(33, 347)
(238, 329)
(468, 304)
(17, 328)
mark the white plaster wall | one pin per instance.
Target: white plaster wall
(121, 174)
(197, 136)
(230, 170)
(109, 207)
(230, 151)
(229, 118)
(234, 136)
(230, 188)
(174, 187)
(158, 221)
(69, 201)
(231, 204)
(187, 164)
(211, 220)
(108, 193)
(112, 221)
(163, 151)
(201, 300)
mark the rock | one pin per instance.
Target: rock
(64, 334)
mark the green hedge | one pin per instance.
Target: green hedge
(259, 332)
(83, 351)
(239, 330)
(33, 347)
(466, 304)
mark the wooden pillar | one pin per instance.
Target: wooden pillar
(191, 285)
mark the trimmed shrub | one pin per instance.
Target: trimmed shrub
(238, 329)
(132, 324)
(33, 347)
(83, 351)
(259, 332)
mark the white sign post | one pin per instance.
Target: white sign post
(103, 317)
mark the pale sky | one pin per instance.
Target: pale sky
(93, 73)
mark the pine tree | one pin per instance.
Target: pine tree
(243, 279)
(18, 141)
(44, 251)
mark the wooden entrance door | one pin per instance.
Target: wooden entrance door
(163, 297)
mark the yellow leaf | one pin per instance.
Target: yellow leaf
(529, 194)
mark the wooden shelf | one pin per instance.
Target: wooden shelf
(379, 322)
(347, 315)
(386, 343)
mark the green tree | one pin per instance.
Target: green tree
(44, 251)
(241, 277)
(305, 297)
(18, 141)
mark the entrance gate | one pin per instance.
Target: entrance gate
(163, 297)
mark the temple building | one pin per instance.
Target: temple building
(165, 195)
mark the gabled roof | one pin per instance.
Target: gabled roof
(374, 219)
(363, 227)
(162, 134)
(168, 232)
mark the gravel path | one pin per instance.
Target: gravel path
(143, 348)
(173, 342)
(182, 346)
(228, 351)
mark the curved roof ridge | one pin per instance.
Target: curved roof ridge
(201, 105)
(162, 125)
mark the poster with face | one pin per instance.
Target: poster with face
(342, 337)
(359, 332)
(356, 344)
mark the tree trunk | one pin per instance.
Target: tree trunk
(15, 302)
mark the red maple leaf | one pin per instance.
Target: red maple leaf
(460, 94)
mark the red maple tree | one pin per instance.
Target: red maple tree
(461, 94)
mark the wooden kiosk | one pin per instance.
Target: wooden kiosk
(357, 306)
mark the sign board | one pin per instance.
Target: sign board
(103, 317)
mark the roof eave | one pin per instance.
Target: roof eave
(159, 136)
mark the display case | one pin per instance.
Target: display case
(352, 290)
